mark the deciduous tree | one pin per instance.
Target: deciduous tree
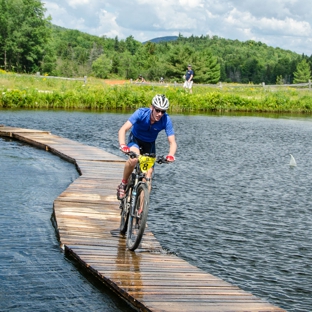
(23, 33)
(102, 66)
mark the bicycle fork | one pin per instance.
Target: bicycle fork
(133, 201)
(132, 212)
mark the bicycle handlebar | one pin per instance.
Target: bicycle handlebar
(162, 160)
(159, 159)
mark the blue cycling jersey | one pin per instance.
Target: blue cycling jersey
(144, 130)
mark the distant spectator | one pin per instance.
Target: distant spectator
(188, 83)
(140, 79)
(161, 80)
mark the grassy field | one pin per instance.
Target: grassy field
(25, 91)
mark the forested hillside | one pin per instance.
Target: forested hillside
(30, 43)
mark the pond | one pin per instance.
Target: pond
(231, 205)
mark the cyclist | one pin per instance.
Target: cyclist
(140, 79)
(146, 123)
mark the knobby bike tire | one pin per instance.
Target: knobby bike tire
(124, 214)
(136, 224)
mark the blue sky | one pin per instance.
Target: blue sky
(279, 23)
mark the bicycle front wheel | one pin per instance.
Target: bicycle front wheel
(137, 219)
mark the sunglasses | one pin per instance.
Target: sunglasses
(160, 111)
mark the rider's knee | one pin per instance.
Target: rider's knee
(132, 162)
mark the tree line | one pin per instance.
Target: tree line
(31, 43)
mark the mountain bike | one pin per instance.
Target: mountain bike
(134, 206)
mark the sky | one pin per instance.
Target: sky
(279, 23)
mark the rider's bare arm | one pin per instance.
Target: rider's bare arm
(122, 132)
(172, 145)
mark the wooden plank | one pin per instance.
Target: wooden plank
(87, 219)
(9, 131)
(211, 307)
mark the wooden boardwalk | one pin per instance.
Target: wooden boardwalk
(87, 220)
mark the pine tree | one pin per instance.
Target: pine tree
(207, 68)
(303, 72)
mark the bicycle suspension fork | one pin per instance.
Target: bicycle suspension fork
(134, 196)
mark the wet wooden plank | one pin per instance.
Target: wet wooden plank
(87, 220)
(10, 131)
(213, 306)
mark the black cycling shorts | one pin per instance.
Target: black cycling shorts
(144, 147)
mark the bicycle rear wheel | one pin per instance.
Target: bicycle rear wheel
(137, 221)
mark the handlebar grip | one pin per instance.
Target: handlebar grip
(132, 154)
(161, 160)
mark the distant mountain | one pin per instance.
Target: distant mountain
(162, 39)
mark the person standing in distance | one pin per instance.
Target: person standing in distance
(146, 123)
(188, 83)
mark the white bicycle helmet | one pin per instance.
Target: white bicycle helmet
(160, 101)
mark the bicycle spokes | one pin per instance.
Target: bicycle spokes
(140, 204)
(137, 219)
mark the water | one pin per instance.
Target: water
(234, 207)
(34, 274)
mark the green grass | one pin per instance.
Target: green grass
(24, 91)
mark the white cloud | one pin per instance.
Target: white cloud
(287, 27)
(108, 23)
(192, 3)
(269, 26)
(77, 3)
(283, 23)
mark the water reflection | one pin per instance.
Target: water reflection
(128, 269)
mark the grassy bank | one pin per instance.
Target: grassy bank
(22, 91)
